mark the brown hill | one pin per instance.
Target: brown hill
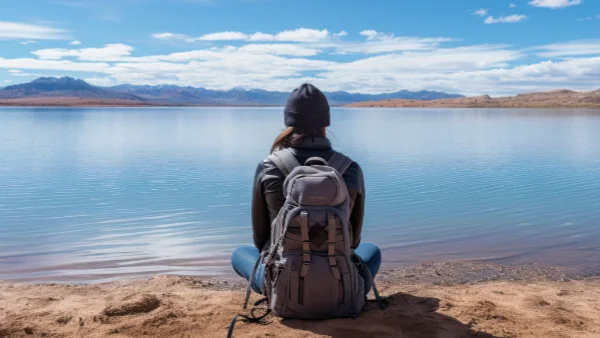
(554, 99)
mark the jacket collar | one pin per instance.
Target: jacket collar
(321, 143)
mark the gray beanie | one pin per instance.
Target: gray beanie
(307, 107)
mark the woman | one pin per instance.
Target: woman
(306, 116)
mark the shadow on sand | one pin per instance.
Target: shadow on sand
(406, 317)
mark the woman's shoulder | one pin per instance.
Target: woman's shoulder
(353, 166)
(266, 169)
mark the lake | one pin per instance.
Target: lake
(91, 195)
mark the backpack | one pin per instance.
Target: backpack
(311, 271)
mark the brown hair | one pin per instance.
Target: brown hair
(293, 136)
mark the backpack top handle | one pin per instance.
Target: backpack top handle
(315, 161)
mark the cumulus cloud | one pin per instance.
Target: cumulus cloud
(370, 34)
(389, 43)
(481, 12)
(295, 35)
(303, 35)
(554, 4)
(28, 42)
(110, 52)
(18, 72)
(570, 49)
(340, 34)
(379, 62)
(223, 36)
(16, 30)
(278, 49)
(75, 43)
(505, 19)
(378, 42)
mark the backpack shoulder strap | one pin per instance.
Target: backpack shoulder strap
(340, 162)
(285, 160)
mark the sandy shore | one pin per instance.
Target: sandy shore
(428, 300)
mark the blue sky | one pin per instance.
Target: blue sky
(495, 47)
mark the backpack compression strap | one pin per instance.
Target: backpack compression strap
(285, 161)
(340, 162)
(331, 245)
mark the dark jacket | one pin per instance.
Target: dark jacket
(268, 198)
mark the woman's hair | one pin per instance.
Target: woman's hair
(293, 136)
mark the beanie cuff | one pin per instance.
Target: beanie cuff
(295, 119)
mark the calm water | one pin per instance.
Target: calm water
(98, 194)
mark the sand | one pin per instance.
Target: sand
(430, 300)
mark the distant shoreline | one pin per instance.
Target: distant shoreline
(420, 104)
(566, 99)
(100, 103)
(560, 99)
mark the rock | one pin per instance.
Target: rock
(132, 305)
(63, 319)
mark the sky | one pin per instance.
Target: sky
(471, 47)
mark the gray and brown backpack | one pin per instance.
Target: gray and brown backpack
(311, 271)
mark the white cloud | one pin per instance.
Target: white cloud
(505, 19)
(381, 43)
(296, 35)
(378, 42)
(75, 43)
(278, 49)
(585, 19)
(7, 81)
(380, 63)
(110, 52)
(258, 36)
(340, 34)
(570, 49)
(100, 81)
(554, 4)
(223, 36)
(16, 72)
(481, 12)
(303, 35)
(28, 42)
(370, 34)
(168, 36)
(512, 6)
(15, 30)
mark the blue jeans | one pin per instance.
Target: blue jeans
(244, 258)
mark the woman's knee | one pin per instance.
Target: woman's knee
(369, 250)
(242, 256)
(245, 251)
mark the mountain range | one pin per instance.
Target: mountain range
(56, 89)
